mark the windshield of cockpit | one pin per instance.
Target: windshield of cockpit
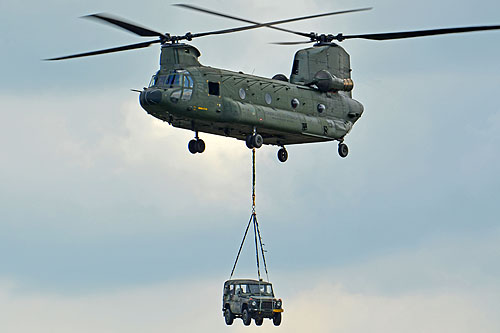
(176, 79)
(262, 289)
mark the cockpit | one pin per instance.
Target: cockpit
(180, 79)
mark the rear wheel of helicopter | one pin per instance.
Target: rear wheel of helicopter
(282, 155)
(343, 150)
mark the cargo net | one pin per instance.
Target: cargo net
(259, 249)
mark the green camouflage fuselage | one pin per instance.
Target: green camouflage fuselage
(189, 95)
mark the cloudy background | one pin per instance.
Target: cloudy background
(109, 224)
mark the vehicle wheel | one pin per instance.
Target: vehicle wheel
(257, 140)
(200, 146)
(192, 146)
(228, 316)
(259, 321)
(247, 319)
(248, 141)
(343, 150)
(282, 155)
(277, 319)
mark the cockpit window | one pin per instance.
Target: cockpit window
(187, 90)
(173, 80)
(153, 80)
(181, 79)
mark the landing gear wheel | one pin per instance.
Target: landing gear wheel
(192, 146)
(248, 141)
(282, 155)
(259, 321)
(228, 317)
(196, 146)
(343, 150)
(277, 319)
(254, 141)
(247, 319)
(200, 146)
(257, 141)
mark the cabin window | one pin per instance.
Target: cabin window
(268, 98)
(321, 108)
(295, 102)
(214, 88)
(242, 93)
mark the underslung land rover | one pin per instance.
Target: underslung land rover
(247, 299)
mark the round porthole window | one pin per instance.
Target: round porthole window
(295, 103)
(321, 108)
(243, 93)
(268, 98)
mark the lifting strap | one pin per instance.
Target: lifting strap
(256, 230)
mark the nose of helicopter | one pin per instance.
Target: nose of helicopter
(151, 97)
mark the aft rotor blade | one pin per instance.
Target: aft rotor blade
(293, 43)
(129, 26)
(114, 49)
(417, 33)
(268, 24)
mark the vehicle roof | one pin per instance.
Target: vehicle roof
(244, 281)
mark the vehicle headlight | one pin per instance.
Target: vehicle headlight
(254, 303)
(278, 304)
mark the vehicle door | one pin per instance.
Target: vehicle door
(236, 299)
(228, 294)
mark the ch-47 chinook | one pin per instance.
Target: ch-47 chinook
(314, 105)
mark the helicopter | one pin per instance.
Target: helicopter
(314, 105)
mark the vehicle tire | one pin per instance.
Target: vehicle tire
(282, 155)
(192, 146)
(343, 150)
(228, 316)
(200, 146)
(277, 319)
(257, 140)
(247, 319)
(259, 321)
(248, 141)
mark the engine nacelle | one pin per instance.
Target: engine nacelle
(325, 81)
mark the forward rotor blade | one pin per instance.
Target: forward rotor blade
(132, 27)
(114, 49)
(418, 33)
(268, 24)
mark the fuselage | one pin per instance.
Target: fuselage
(223, 102)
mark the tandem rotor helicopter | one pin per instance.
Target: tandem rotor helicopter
(314, 105)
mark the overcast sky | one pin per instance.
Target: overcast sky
(109, 224)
